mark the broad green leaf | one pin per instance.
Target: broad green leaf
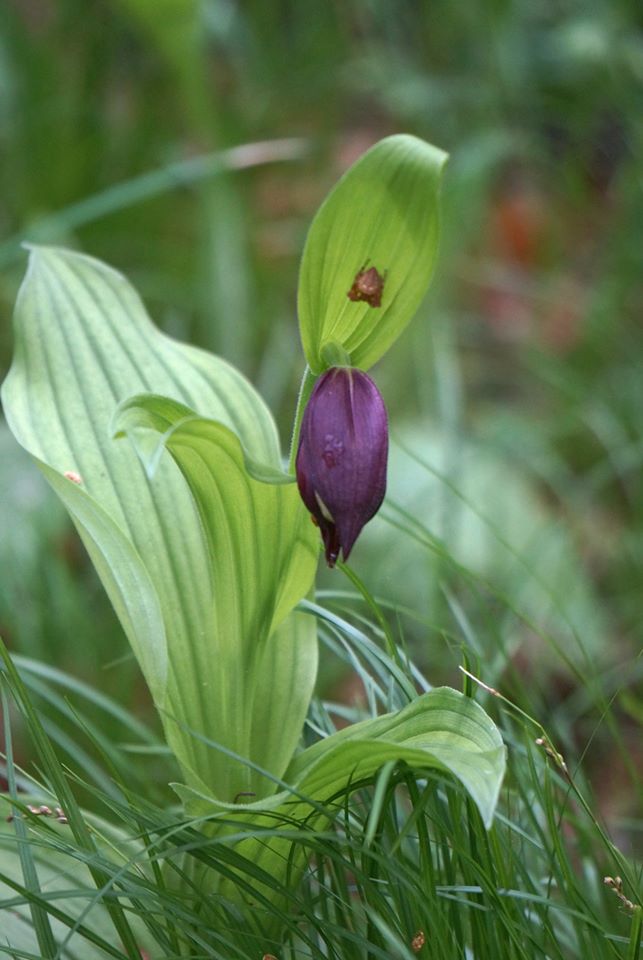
(263, 553)
(383, 213)
(84, 343)
(125, 578)
(442, 730)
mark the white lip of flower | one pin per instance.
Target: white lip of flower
(326, 514)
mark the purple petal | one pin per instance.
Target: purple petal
(342, 455)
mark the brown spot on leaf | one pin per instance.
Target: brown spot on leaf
(368, 286)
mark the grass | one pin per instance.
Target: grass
(406, 860)
(511, 540)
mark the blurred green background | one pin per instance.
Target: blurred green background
(514, 526)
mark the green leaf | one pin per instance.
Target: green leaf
(143, 433)
(441, 730)
(263, 553)
(84, 344)
(125, 577)
(383, 213)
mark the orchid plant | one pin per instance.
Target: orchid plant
(169, 464)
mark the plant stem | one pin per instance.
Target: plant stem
(634, 947)
(307, 383)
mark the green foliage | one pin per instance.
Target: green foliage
(405, 856)
(441, 730)
(471, 509)
(205, 566)
(146, 540)
(109, 114)
(383, 214)
(44, 607)
(262, 555)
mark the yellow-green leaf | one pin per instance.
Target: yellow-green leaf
(382, 214)
(83, 344)
(262, 555)
(440, 730)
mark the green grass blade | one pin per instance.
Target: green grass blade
(40, 919)
(65, 796)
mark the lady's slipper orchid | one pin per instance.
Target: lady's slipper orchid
(341, 460)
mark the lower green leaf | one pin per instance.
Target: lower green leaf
(262, 554)
(440, 730)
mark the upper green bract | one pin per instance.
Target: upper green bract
(383, 213)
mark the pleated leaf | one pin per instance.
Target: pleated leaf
(383, 214)
(262, 552)
(440, 730)
(83, 344)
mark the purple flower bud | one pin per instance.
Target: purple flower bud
(341, 460)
